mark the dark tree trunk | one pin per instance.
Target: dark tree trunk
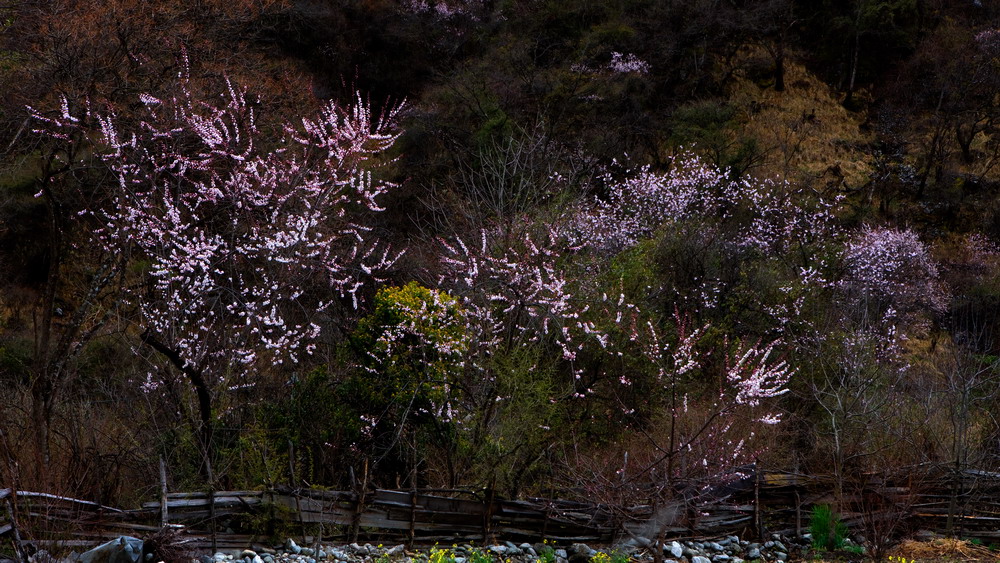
(202, 392)
(779, 64)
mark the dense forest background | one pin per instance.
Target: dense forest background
(589, 248)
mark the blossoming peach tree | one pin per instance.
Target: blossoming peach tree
(544, 288)
(232, 232)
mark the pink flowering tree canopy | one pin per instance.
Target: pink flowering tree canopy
(892, 270)
(548, 286)
(233, 236)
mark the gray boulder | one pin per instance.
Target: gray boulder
(124, 549)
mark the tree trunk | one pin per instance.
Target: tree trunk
(44, 384)
(202, 392)
(779, 64)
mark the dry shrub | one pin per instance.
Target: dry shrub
(944, 549)
(167, 545)
(97, 450)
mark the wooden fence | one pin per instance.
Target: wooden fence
(965, 504)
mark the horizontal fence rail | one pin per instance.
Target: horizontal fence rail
(964, 504)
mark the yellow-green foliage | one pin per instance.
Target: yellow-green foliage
(414, 322)
(435, 314)
(413, 342)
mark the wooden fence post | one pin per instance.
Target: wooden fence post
(164, 516)
(211, 505)
(359, 507)
(413, 517)
(16, 540)
(757, 520)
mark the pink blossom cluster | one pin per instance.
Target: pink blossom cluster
(713, 433)
(445, 9)
(751, 374)
(519, 293)
(627, 63)
(645, 200)
(621, 63)
(892, 268)
(865, 345)
(235, 234)
(989, 40)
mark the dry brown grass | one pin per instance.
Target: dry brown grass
(942, 550)
(806, 132)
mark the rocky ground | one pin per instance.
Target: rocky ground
(730, 549)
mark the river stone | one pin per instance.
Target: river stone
(561, 553)
(700, 559)
(781, 556)
(676, 549)
(753, 552)
(124, 549)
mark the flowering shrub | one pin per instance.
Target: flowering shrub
(768, 216)
(621, 63)
(626, 63)
(444, 10)
(892, 270)
(989, 40)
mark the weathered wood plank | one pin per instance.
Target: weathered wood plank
(392, 513)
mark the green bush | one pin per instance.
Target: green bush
(828, 532)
